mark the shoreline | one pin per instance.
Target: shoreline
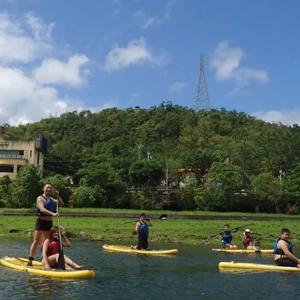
(118, 230)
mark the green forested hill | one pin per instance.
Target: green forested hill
(221, 160)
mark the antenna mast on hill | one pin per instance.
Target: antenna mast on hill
(201, 100)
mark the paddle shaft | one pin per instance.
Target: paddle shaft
(61, 257)
(235, 229)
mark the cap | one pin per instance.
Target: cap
(247, 230)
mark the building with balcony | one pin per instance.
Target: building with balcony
(15, 154)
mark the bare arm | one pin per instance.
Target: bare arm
(66, 242)
(40, 205)
(286, 251)
(56, 198)
(137, 227)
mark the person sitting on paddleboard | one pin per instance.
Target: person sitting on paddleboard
(51, 249)
(283, 250)
(46, 206)
(226, 237)
(142, 229)
(248, 241)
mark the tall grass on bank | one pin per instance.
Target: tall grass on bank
(178, 231)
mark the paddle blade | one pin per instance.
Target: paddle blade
(61, 260)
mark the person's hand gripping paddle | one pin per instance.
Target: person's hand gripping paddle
(61, 257)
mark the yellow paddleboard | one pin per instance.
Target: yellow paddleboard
(37, 268)
(266, 251)
(126, 249)
(254, 267)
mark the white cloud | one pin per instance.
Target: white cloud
(152, 21)
(40, 30)
(169, 9)
(30, 101)
(287, 117)
(71, 73)
(226, 60)
(135, 53)
(25, 97)
(107, 104)
(177, 87)
(23, 40)
(147, 22)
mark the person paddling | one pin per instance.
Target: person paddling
(45, 209)
(51, 248)
(283, 250)
(142, 229)
(226, 237)
(248, 241)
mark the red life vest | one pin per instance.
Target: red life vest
(53, 247)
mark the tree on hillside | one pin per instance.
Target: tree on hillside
(26, 187)
(5, 193)
(224, 185)
(146, 173)
(267, 191)
(103, 178)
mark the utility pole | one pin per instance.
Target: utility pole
(281, 174)
(140, 146)
(167, 178)
(201, 100)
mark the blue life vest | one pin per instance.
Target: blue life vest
(280, 251)
(143, 229)
(226, 237)
(49, 205)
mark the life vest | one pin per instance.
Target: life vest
(53, 247)
(143, 229)
(247, 240)
(49, 204)
(280, 251)
(226, 237)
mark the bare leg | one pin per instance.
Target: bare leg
(71, 263)
(35, 243)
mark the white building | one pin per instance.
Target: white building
(15, 154)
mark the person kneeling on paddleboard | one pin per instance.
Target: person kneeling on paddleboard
(226, 237)
(142, 229)
(283, 250)
(248, 241)
(51, 248)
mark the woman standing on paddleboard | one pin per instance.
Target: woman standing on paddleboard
(142, 230)
(45, 209)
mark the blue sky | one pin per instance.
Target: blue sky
(57, 56)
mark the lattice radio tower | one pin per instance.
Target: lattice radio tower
(201, 100)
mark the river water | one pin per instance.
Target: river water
(192, 274)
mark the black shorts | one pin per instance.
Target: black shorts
(42, 225)
(285, 262)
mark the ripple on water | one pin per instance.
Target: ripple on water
(193, 274)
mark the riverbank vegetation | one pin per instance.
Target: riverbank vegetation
(170, 231)
(164, 157)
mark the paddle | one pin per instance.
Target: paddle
(235, 229)
(61, 257)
